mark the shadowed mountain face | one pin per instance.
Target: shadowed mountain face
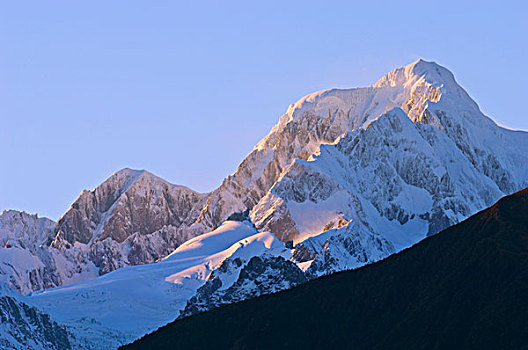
(463, 288)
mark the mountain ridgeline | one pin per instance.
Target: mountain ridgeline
(463, 288)
(352, 175)
(346, 178)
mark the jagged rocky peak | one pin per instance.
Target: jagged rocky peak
(425, 83)
(128, 202)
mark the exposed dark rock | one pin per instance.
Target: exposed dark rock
(261, 275)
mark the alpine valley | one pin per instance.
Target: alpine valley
(344, 179)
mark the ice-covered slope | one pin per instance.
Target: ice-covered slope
(464, 288)
(127, 303)
(238, 279)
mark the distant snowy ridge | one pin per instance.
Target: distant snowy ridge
(24, 263)
(23, 230)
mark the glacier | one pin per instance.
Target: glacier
(127, 303)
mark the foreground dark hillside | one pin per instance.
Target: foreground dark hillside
(466, 287)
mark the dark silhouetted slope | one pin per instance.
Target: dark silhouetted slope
(466, 287)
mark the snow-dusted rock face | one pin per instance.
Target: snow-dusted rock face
(129, 202)
(25, 327)
(261, 266)
(339, 249)
(20, 229)
(396, 180)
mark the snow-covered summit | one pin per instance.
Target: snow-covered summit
(411, 87)
(426, 92)
(134, 175)
(423, 70)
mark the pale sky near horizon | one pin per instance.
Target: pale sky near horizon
(186, 89)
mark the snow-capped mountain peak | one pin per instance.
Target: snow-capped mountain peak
(346, 177)
(417, 71)
(425, 92)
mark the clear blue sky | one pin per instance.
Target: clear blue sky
(186, 89)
